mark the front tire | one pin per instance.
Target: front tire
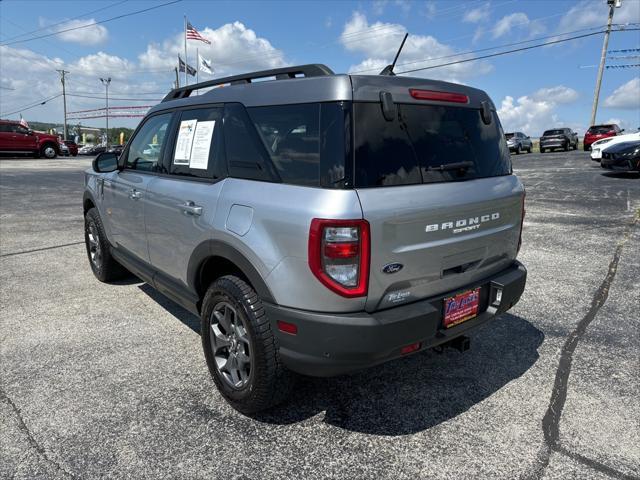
(542, 150)
(48, 151)
(103, 265)
(240, 348)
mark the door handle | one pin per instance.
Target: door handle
(190, 208)
(135, 194)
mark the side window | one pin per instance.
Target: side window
(5, 128)
(246, 156)
(290, 134)
(198, 148)
(146, 147)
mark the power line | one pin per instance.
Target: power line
(114, 98)
(495, 47)
(33, 105)
(93, 24)
(509, 51)
(65, 21)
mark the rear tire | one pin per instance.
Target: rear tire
(518, 149)
(240, 347)
(542, 150)
(103, 265)
(566, 146)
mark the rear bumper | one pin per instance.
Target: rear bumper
(334, 344)
(554, 143)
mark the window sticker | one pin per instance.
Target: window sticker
(201, 145)
(182, 154)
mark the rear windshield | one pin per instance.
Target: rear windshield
(601, 129)
(412, 150)
(509, 135)
(552, 132)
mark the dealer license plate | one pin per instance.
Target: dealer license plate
(460, 308)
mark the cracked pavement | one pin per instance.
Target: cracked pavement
(110, 381)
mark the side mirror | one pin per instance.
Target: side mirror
(29, 132)
(105, 162)
(622, 129)
(389, 107)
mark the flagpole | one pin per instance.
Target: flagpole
(186, 61)
(198, 62)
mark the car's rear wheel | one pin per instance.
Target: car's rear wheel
(542, 150)
(48, 151)
(240, 347)
(566, 146)
(518, 149)
(103, 265)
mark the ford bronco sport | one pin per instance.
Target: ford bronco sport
(317, 223)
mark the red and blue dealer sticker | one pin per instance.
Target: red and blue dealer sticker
(462, 307)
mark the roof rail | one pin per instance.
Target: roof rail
(310, 70)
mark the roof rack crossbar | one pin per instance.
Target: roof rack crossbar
(310, 70)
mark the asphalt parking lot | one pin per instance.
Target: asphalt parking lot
(110, 380)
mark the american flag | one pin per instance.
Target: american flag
(193, 34)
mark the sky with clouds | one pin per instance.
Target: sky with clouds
(533, 90)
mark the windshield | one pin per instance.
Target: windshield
(552, 132)
(415, 148)
(600, 129)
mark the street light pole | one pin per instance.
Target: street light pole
(106, 82)
(613, 4)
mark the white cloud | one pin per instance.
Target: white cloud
(477, 15)
(626, 96)
(590, 13)
(32, 76)
(430, 9)
(93, 35)
(559, 94)
(234, 48)
(378, 6)
(419, 51)
(535, 113)
(506, 24)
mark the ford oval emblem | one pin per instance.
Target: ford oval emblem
(392, 268)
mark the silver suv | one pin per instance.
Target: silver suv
(317, 223)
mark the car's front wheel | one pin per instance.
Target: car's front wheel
(48, 151)
(103, 265)
(542, 150)
(240, 347)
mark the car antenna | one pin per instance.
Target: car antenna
(388, 70)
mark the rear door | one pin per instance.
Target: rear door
(125, 191)
(181, 206)
(434, 230)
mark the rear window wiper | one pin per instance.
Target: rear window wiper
(451, 166)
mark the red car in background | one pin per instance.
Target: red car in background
(598, 132)
(18, 138)
(73, 148)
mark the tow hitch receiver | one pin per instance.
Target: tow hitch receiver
(462, 344)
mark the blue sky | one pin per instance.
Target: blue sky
(534, 90)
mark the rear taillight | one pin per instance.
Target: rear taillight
(524, 194)
(339, 253)
(438, 96)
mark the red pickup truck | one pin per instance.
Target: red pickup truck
(16, 138)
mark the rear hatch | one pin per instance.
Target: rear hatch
(434, 229)
(553, 135)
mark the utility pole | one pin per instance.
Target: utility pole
(64, 99)
(613, 4)
(106, 82)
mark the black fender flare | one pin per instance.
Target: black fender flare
(88, 196)
(218, 248)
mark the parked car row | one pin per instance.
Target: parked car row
(620, 152)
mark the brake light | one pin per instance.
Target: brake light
(438, 96)
(339, 252)
(524, 194)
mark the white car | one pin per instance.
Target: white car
(600, 145)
